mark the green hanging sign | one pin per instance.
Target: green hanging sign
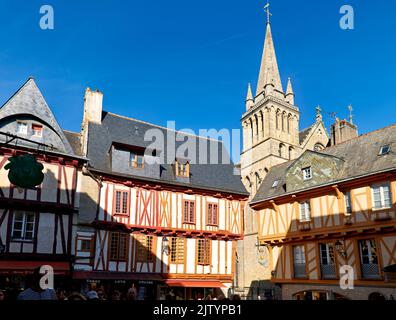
(25, 171)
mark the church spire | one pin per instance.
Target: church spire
(249, 98)
(269, 77)
(289, 92)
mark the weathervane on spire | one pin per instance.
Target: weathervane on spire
(267, 10)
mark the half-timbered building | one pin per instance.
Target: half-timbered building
(329, 216)
(36, 224)
(151, 216)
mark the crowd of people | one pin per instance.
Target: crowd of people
(96, 292)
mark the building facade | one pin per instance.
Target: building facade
(331, 214)
(148, 217)
(36, 224)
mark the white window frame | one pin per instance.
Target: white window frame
(24, 225)
(299, 255)
(327, 251)
(25, 124)
(382, 153)
(382, 195)
(305, 211)
(307, 173)
(348, 200)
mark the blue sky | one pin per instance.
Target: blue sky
(191, 61)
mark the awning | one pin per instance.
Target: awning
(99, 275)
(27, 267)
(195, 283)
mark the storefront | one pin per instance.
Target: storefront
(191, 290)
(145, 284)
(15, 276)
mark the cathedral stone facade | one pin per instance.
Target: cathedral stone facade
(271, 136)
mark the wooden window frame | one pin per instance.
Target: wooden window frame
(382, 198)
(34, 131)
(182, 173)
(184, 212)
(128, 205)
(212, 222)
(133, 163)
(146, 243)
(310, 211)
(208, 254)
(117, 257)
(177, 250)
(294, 261)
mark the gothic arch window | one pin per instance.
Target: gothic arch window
(319, 147)
(251, 130)
(291, 153)
(284, 121)
(289, 120)
(248, 182)
(258, 180)
(256, 125)
(281, 150)
(278, 115)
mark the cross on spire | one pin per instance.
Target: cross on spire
(267, 10)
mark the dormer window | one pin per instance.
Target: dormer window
(136, 160)
(384, 150)
(307, 173)
(275, 184)
(37, 130)
(182, 169)
(22, 127)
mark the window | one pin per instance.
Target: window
(384, 150)
(275, 184)
(118, 246)
(348, 204)
(182, 170)
(299, 262)
(382, 196)
(85, 245)
(319, 147)
(22, 127)
(121, 202)
(37, 130)
(305, 211)
(213, 214)
(189, 212)
(369, 259)
(177, 250)
(203, 251)
(307, 173)
(327, 261)
(136, 160)
(23, 226)
(145, 248)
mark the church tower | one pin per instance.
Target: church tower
(270, 123)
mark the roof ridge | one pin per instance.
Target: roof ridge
(162, 127)
(361, 136)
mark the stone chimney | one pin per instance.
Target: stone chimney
(93, 107)
(342, 131)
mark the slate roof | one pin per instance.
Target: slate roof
(119, 129)
(361, 156)
(304, 133)
(75, 142)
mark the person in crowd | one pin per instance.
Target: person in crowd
(35, 291)
(132, 293)
(101, 294)
(61, 294)
(2, 295)
(116, 296)
(75, 296)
